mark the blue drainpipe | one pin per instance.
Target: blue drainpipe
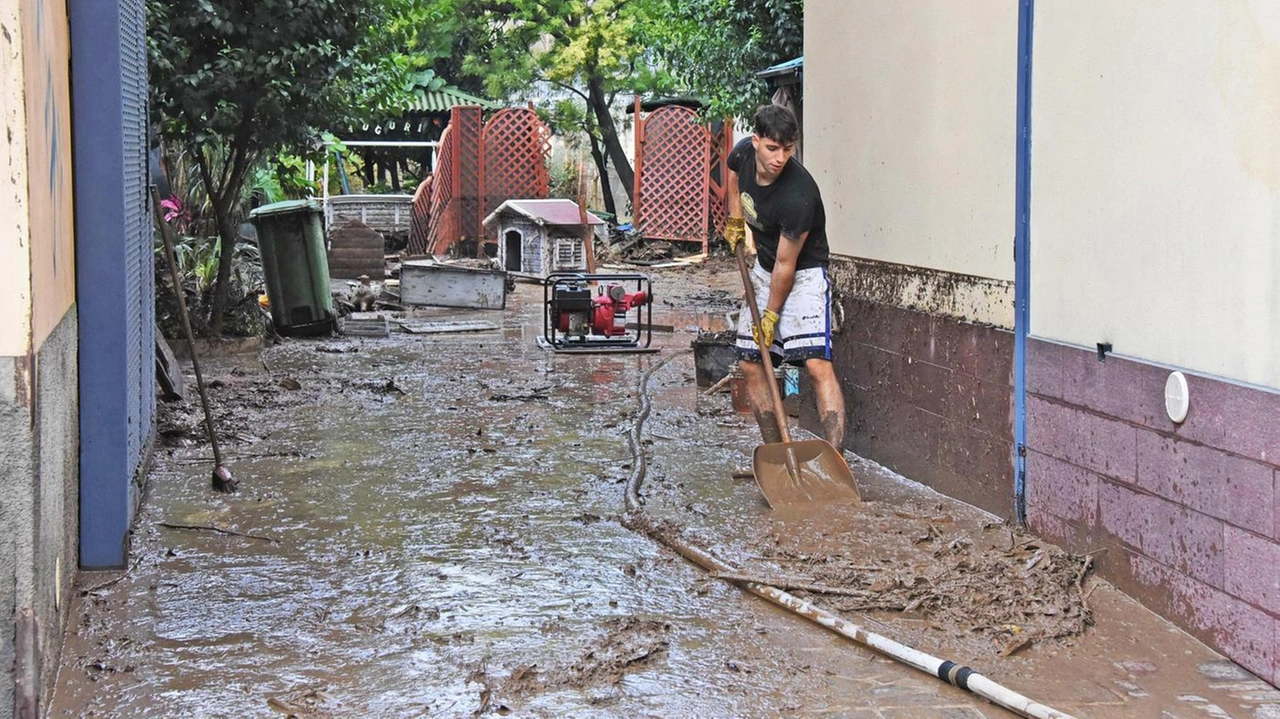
(1022, 261)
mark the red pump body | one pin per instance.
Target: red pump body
(590, 314)
(608, 313)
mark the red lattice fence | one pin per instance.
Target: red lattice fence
(468, 125)
(516, 146)
(420, 221)
(480, 166)
(680, 175)
(455, 185)
(718, 195)
(443, 227)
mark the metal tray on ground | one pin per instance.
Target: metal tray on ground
(424, 282)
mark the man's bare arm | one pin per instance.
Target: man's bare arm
(735, 202)
(784, 270)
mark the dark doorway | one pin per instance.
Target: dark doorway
(513, 239)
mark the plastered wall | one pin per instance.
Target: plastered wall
(15, 256)
(915, 130)
(46, 68)
(1156, 182)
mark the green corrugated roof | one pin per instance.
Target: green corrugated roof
(443, 99)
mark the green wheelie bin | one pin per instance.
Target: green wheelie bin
(291, 242)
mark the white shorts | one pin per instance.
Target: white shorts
(804, 329)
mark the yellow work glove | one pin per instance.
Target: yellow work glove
(734, 231)
(768, 323)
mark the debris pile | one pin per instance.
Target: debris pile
(996, 586)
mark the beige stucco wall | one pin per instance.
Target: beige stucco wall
(909, 130)
(46, 42)
(1156, 181)
(15, 258)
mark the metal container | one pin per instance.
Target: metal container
(714, 356)
(788, 379)
(291, 242)
(424, 282)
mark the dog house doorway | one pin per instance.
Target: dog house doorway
(513, 239)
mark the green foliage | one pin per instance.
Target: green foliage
(565, 179)
(564, 42)
(235, 81)
(716, 47)
(283, 177)
(438, 35)
(197, 260)
(271, 73)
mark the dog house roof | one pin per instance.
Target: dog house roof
(560, 212)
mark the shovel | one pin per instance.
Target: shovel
(792, 473)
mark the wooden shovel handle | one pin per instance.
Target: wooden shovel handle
(770, 380)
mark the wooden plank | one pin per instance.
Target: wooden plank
(173, 384)
(364, 324)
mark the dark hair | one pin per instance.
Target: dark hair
(777, 123)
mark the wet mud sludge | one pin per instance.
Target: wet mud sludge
(435, 525)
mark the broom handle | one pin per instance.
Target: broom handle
(765, 359)
(171, 259)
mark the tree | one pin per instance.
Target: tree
(234, 80)
(716, 47)
(591, 49)
(596, 50)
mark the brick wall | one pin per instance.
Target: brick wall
(1184, 517)
(926, 394)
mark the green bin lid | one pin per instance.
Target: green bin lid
(284, 208)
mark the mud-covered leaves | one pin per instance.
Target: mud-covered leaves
(1005, 592)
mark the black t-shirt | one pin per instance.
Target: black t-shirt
(791, 205)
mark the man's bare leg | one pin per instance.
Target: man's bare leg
(830, 400)
(760, 401)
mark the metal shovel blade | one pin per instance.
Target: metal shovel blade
(791, 473)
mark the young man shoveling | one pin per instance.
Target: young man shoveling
(779, 199)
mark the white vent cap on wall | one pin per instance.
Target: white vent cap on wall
(1176, 398)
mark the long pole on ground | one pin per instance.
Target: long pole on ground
(948, 671)
(222, 479)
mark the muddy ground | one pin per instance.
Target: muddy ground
(432, 525)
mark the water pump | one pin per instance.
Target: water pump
(597, 313)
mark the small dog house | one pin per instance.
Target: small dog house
(538, 237)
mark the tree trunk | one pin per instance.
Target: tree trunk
(609, 134)
(226, 246)
(223, 200)
(602, 167)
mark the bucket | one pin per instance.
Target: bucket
(714, 356)
(788, 379)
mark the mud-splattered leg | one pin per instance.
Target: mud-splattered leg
(830, 400)
(760, 401)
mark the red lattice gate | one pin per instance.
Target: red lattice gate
(516, 146)
(718, 192)
(680, 175)
(480, 166)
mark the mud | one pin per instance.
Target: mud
(978, 590)
(620, 646)
(430, 525)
